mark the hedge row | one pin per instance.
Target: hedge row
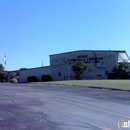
(44, 78)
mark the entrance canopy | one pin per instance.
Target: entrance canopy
(123, 57)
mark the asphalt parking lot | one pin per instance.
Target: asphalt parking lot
(52, 107)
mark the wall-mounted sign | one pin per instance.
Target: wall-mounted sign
(85, 59)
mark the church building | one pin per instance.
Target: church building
(100, 64)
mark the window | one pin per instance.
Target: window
(106, 72)
(59, 74)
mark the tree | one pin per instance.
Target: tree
(1, 67)
(13, 75)
(79, 67)
(3, 74)
(22, 68)
(122, 70)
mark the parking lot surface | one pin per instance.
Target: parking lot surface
(53, 107)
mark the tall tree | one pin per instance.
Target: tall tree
(79, 67)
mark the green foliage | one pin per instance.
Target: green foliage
(121, 71)
(32, 79)
(22, 68)
(3, 76)
(46, 78)
(111, 76)
(1, 67)
(13, 75)
(79, 67)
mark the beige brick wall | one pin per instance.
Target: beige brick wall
(105, 61)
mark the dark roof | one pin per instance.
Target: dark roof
(91, 51)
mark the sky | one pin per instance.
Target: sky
(31, 30)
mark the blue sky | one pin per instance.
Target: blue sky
(31, 30)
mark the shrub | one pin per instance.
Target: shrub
(14, 80)
(32, 79)
(13, 75)
(46, 78)
(120, 71)
(111, 76)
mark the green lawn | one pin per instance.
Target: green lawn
(107, 84)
